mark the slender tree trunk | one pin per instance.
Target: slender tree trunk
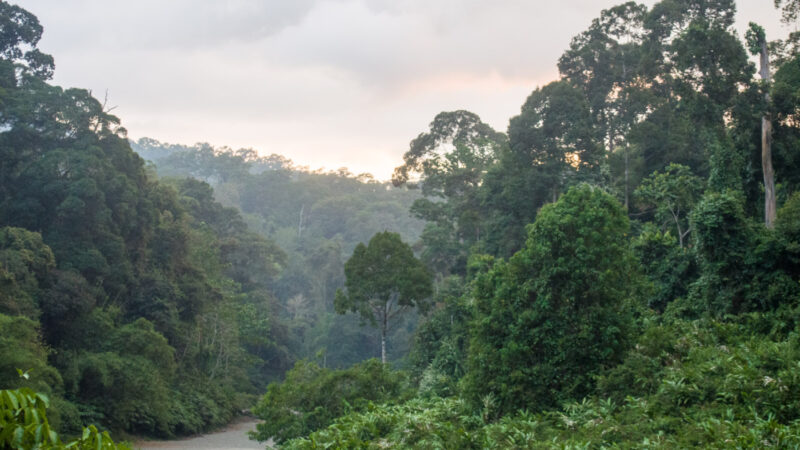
(627, 195)
(766, 145)
(384, 327)
(769, 173)
(300, 222)
(383, 343)
(678, 226)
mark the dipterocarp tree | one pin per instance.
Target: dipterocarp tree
(554, 137)
(448, 162)
(605, 62)
(384, 280)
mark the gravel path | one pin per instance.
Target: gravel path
(234, 437)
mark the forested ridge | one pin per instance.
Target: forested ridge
(620, 268)
(317, 218)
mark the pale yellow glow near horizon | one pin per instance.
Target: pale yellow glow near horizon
(362, 149)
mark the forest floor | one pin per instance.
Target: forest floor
(232, 437)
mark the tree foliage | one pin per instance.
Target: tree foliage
(115, 288)
(384, 281)
(559, 310)
(311, 397)
(672, 195)
(450, 160)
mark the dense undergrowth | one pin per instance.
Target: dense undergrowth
(686, 384)
(24, 425)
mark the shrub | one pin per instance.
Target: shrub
(560, 310)
(311, 397)
(24, 424)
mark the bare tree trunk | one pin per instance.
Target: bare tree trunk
(626, 178)
(384, 327)
(769, 173)
(766, 145)
(300, 222)
(680, 232)
(383, 343)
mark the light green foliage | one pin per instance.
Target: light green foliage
(560, 310)
(435, 423)
(21, 346)
(311, 397)
(672, 195)
(686, 384)
(703, 383)
(24, 425)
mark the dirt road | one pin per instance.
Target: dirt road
(234, 437)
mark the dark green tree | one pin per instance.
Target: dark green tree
(559, 310)
(20, 31)
(113, 247)
(553, 145)
(449, 162)
(25, 266)
(697, 66)
(384, 280)
(669, 267)
(554, 137)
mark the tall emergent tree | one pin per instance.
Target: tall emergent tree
(384, 280)
(605, 62)
(450, 161)
(757, 44)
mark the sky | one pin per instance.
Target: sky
(327, 83)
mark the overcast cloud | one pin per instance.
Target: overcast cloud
(328, 83)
